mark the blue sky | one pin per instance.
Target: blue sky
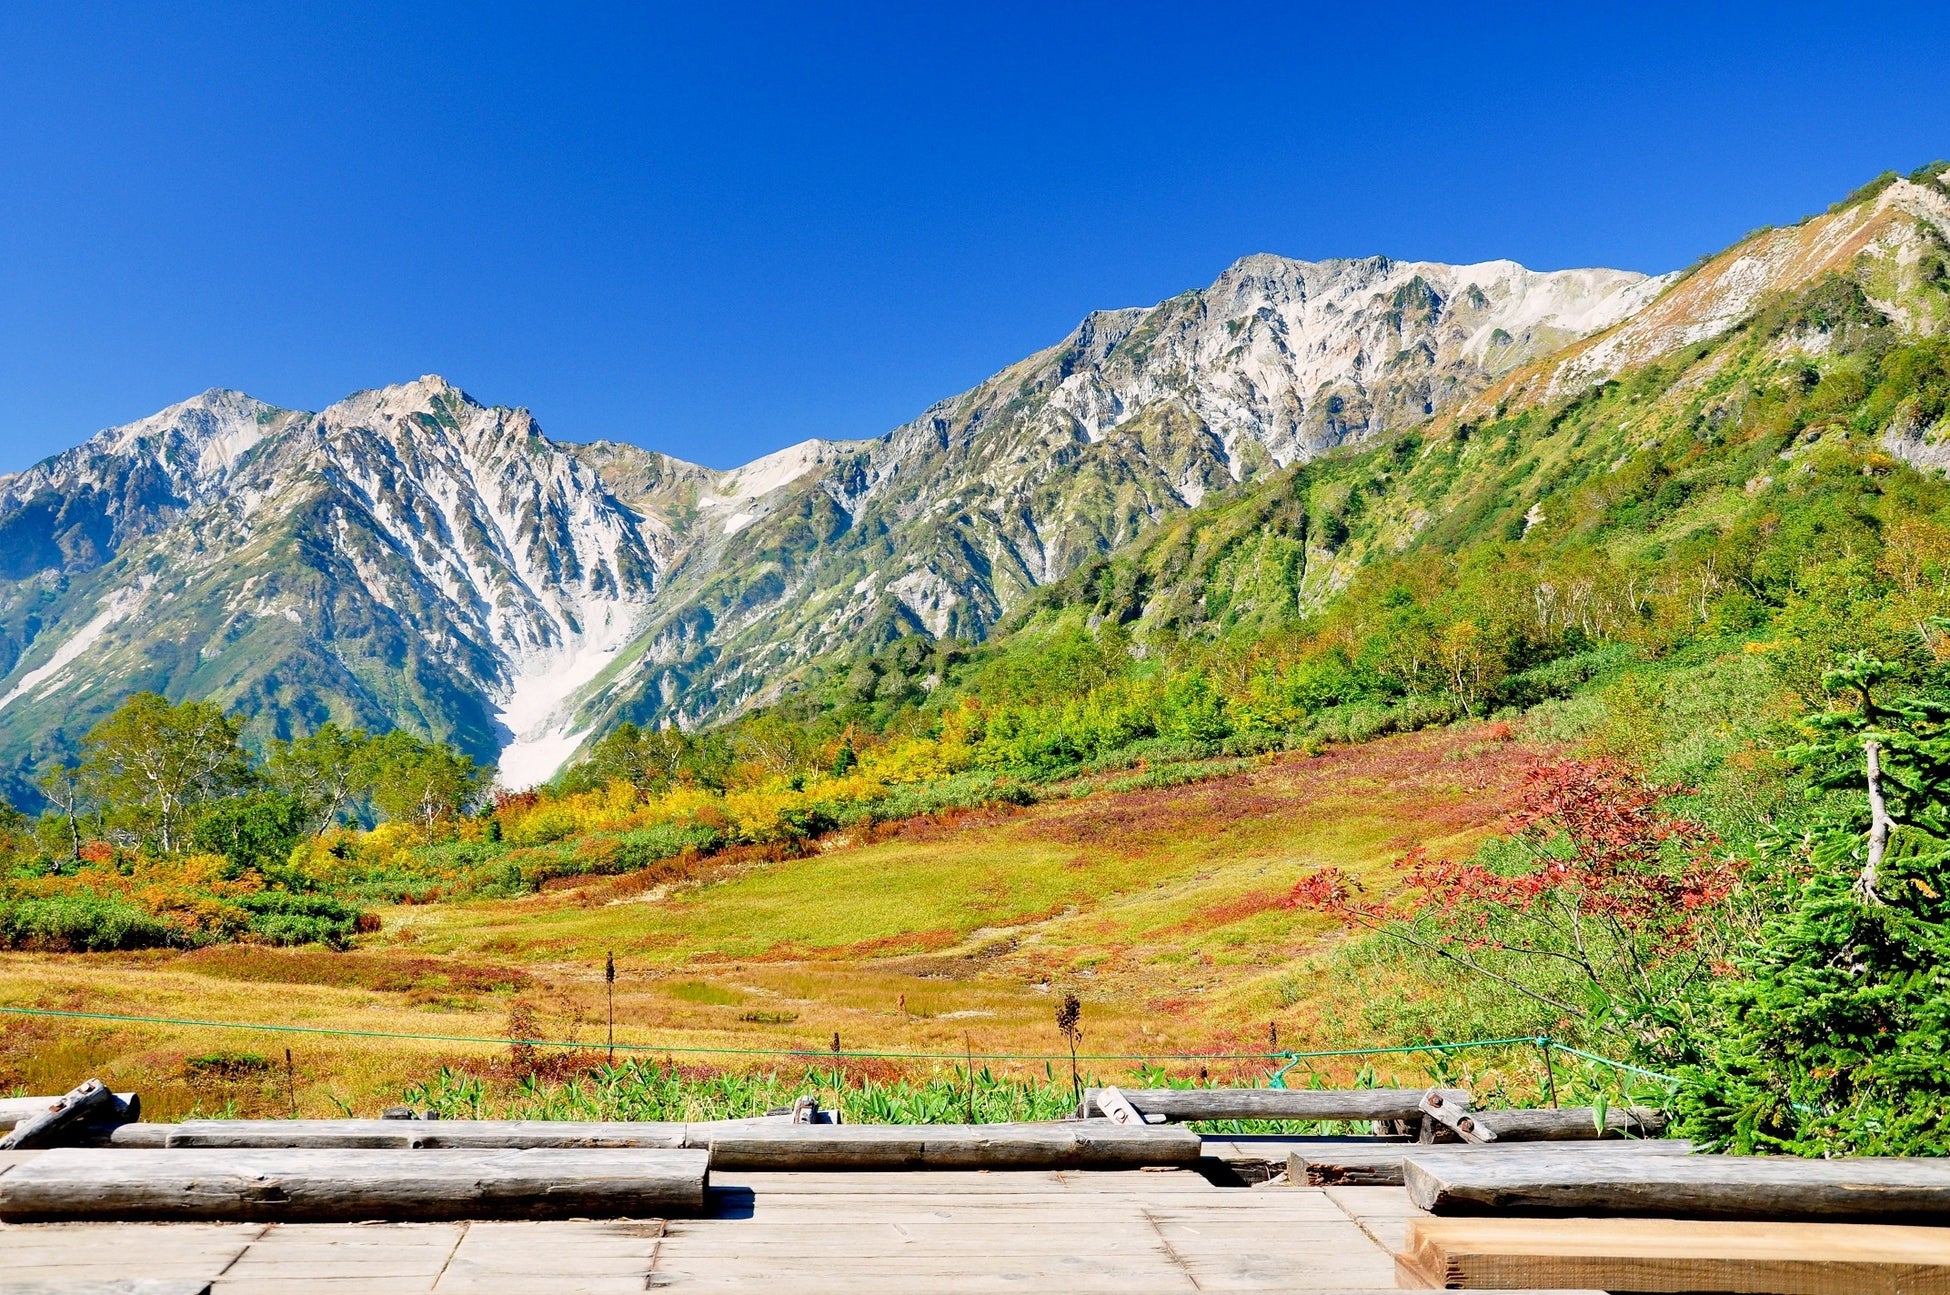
(717, 229)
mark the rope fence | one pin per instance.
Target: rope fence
(1290, 1058)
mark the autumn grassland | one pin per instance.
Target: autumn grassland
(1164, 909)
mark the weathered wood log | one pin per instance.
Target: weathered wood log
(550, 1133)
(1277, 1103)
(1675, 1255)
(1576, 1123)
(748, 1144)
(89, 1103)
(1349, 1164)
(1092, 1144)
(1610, 1181)
(15, 1109)
(130, 1135)
(409, 1134)
(305, 1184)
(341, 1135)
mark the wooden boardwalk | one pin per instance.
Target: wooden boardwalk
(813, 1233)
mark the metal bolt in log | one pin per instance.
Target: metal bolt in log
(1456, 1114)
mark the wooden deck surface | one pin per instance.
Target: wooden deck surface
(1075, 1232)
(816, 1233)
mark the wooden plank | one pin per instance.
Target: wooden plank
(88, 1103)
(15, 1109)
(1350, 1164)
(73, 1255)
(1570, 1124)
(1555, 1179)
(1278, 1103)
(1083, 1144)
(330, 1185)
(1677, 1255)
(111, 1286)
(583, 1258)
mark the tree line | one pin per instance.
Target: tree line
(168, 778)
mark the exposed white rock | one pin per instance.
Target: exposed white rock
(932, 599)
(1730, 288)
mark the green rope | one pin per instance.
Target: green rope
(1290, 1058)
(1616, 1065)
(811, 1053)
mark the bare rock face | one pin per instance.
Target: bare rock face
(1886, 243)
(943, 524)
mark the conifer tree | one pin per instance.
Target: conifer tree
(1834, 1035)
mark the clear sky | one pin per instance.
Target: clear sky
(716, 229)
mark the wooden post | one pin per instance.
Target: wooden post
(839, 1076)
(290, 1083)
(609, 978)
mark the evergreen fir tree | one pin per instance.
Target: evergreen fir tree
(1834, 1036)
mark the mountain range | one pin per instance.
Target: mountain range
(410, 557)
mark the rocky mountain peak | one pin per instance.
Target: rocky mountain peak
(411, 556)
(1884, 242)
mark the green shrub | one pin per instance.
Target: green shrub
(81, 922)
(281, 917)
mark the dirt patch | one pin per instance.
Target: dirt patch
(380, 973)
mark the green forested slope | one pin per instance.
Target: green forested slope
(1749, 495)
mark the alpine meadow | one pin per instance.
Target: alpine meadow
(1356, 654)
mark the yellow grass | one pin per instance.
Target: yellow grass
(1160, 909)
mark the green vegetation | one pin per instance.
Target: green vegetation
(863, 1091)
(167, 832)
(1835, 1035)
(1714, 592)
(642, 1090)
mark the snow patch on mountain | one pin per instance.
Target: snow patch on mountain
(537, 711)
(114, 608)
(767, 473)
